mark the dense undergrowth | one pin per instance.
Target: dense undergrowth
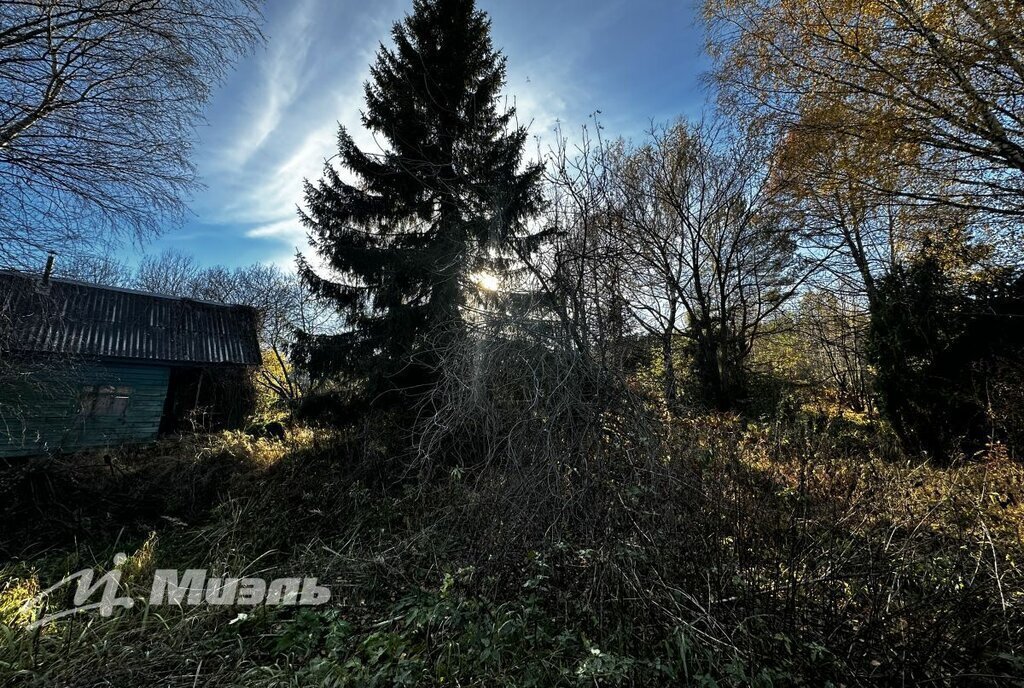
(807, 551)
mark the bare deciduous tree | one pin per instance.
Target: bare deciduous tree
(682, 237)
(98, 100)
(95, 269)
(171, 273)
(833, 332)
(581, 265)
(712, 251)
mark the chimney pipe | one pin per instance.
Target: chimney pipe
(48, 270)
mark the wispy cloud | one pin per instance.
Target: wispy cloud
(276, 124)
(281, 77)
(283, 229)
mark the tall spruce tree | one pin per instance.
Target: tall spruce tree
(441, 202)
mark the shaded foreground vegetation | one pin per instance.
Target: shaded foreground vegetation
(803, 551)
(737, 404)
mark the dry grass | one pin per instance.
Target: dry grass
(786, 553)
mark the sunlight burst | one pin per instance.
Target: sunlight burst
(487, 281)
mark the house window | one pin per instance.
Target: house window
(105, 400)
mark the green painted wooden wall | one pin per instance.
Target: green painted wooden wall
(44, 409)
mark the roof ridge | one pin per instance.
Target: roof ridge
(124, 290)
(76, 318)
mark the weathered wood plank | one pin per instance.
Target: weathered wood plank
(42, 411)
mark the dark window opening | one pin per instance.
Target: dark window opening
(105, 401)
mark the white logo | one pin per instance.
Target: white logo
(194, 587)
(109, 582)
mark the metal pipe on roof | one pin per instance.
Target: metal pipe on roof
(48, 270)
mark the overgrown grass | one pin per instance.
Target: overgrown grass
(803, 552)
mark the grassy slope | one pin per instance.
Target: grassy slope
(760, 555)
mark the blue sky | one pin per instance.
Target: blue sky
(274, 120)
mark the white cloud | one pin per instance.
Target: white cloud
(290, 230)
(284, 125)
(281, 75)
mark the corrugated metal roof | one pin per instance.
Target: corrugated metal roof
(75, 318)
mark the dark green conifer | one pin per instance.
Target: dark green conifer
(406, 229)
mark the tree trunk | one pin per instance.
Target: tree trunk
(668, 363)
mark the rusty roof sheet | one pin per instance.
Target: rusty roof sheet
(75, 318)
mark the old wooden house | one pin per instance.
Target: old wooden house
(86, 366)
